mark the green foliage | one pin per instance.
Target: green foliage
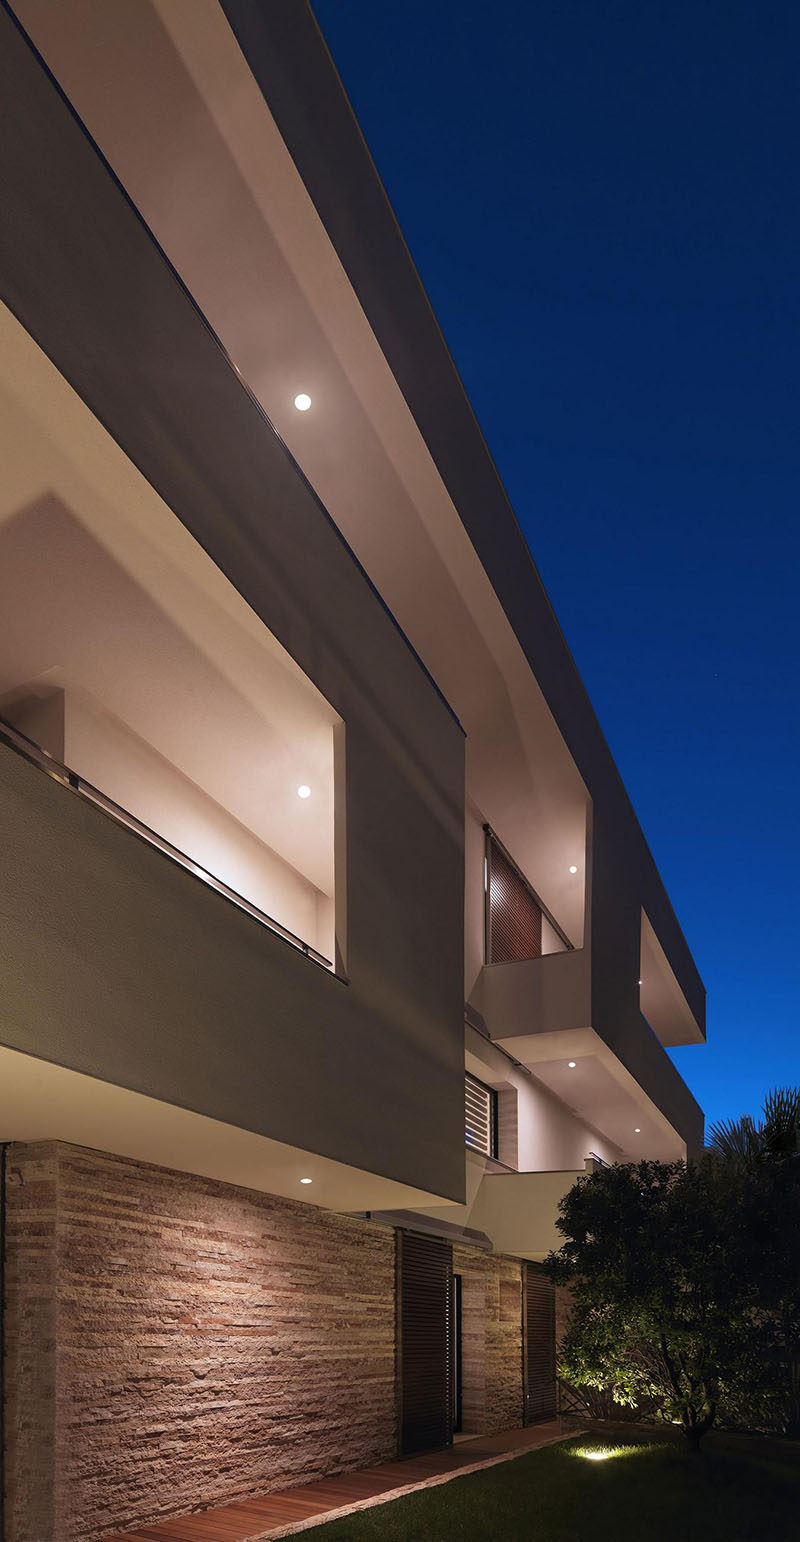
(676, 1281)
(737, 1139)
(775, 1138)
(686, 1279)
(770, 1151)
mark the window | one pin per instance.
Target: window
(513, 914)
(480, 1116)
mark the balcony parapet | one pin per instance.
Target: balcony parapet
(513, 1212)
(517, 1211)
(537, 995)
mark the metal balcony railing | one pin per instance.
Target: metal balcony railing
(55, 769)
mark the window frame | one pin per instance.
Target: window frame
(492, 1122)
(490, 840)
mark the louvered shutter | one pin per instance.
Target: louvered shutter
(480, 1116)
(514, 929)
(425, 1272)
(539, 1344)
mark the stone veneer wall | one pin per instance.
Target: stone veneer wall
(491, 1326)
(174, 1342)
(29, 1323)
(508, 1126)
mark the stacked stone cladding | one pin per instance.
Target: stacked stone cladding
(491, 1308)
(173, 1343)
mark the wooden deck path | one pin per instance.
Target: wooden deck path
(295, 1509)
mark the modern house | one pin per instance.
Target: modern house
(332, 950)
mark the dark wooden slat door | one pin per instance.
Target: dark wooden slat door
(538, 1344)
(514, 922)
(425, 1306)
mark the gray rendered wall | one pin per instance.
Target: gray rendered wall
(116, 962)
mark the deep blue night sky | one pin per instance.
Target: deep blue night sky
(603, 200)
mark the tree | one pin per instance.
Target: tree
(660, 1267)
(769, 1150)
(776, 1137)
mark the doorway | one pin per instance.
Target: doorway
(425, 1342)
(538, 1345)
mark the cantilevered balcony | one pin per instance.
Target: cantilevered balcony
(589, 1021)
(515, 1212)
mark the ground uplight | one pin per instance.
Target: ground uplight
(604, 1453)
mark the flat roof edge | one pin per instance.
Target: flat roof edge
(290, 61)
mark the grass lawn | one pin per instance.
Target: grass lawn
(654, 1492)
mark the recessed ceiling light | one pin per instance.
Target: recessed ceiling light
(306, 1180)
(302, 401)
(304, 791)
(571, 1064)
(640, 982)
(573, 869)
(637, 1131)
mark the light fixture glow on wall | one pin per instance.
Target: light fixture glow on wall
(637, 1130)
(302, 401)
(573, 869)
(304, 791)
(571, 1064)
(306, 1180)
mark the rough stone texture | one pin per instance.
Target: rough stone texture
(29, 1333)
(508, 1126)
(491, 1328)
(210, 1343)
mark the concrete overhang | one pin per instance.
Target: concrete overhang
(661, 998)
(43, 1101)
(540, 1011)
(646, 1113)
(515, 1211)
(289, 59)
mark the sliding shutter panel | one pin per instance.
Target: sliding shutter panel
(539, 1344)
(515, 918)
(425, 1271)
(480, 1116)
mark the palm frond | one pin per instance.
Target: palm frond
(735, 1138)
(780, 1130)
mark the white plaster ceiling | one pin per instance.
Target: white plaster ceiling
(594, 1094)
(600, 1090)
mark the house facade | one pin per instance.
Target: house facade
(333, 952)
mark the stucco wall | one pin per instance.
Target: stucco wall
(547, 1136)
(316, 121)
(211, 1343)
(116, 963)
(131, 772)
(623, 878)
